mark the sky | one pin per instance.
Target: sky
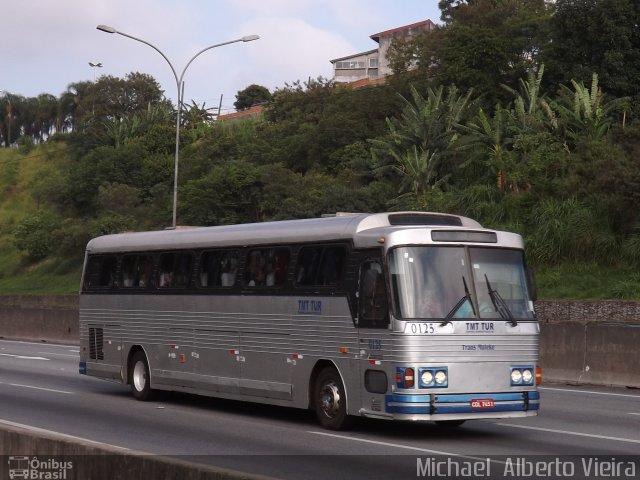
(47, 45)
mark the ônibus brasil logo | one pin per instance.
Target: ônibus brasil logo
(33, 468)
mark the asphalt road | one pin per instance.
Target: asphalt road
(40, 387)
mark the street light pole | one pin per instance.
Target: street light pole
(95, 65)
(180, 88)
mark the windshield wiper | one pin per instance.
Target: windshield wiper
(465, 298)
(499, 304)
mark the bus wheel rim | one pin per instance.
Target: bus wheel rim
(139, 376)
(330, 399)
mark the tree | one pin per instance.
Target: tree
(194, 115)
(488, 138)
(448, 8)
(6, 117)
(484, 43)
(421, 138)
(114, 98)
(586, 114)
(34, 235)
(600, 36)
(250, 96)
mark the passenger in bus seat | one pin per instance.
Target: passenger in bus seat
(229, 269)
(165, 279)
(279, 268)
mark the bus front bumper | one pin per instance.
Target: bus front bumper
(467, 405)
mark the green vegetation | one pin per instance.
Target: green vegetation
(487, 125)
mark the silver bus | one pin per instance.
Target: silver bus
(401, 316)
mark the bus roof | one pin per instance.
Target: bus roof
(342, 226)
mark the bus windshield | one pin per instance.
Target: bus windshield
(459, 283)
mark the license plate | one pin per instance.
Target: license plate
(483, 403)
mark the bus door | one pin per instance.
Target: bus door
(373, 333)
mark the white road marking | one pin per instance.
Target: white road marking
(58, 434)
(567, 432)
(398, 445)
(23, 357)
(630, 413)
(39, 343)
(589, 391)
(37, 388)
(59, 354)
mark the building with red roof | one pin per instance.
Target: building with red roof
(373, 65)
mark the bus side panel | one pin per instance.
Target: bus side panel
(323, 331)
(100, 339)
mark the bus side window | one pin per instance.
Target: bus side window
(174, 270)
(373, 310)
(228, 268)
(101, 272)
(308, 260)
(331, 266)
(320, 265)
(136, 270)
(279, 265)
(209, 266)
(266, 267)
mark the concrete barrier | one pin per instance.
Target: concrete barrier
(40, 318)
(51, 455)
(590, 342)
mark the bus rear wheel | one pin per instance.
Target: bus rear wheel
(139, 377)
(331, 401)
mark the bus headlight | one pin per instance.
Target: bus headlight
(441, 377)
(522, 376)
(516, 376)
(433, 377)
(426, 378)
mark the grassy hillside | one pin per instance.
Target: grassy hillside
(18, 275)
(20, 172)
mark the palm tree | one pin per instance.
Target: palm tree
(490, 137)
(418, 170)
(194, 114)
(419, 140)
(65, 117)
(42, 116)
(584, 111)
(531, 108)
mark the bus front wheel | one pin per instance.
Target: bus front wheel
(331, 401)
(139, 377)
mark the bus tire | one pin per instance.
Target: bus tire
(449, 423)
(331, 401)
(139, 377)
